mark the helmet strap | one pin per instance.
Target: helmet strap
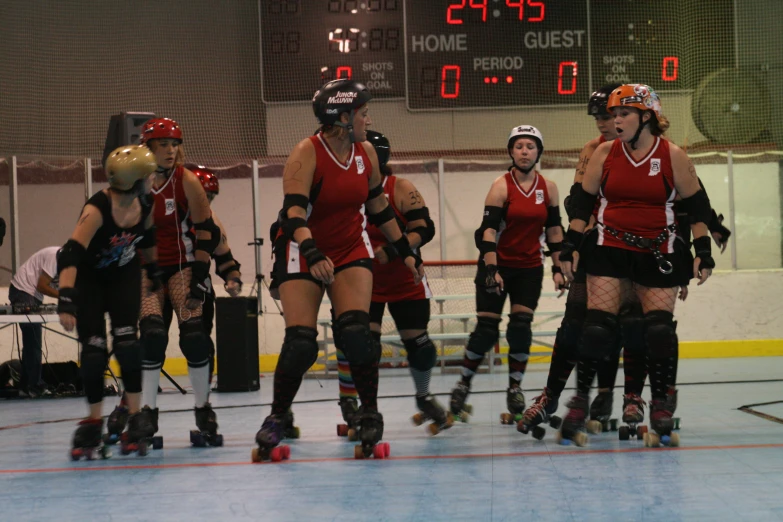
(348, 126)
(642, 124)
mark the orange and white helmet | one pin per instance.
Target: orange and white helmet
(636, 95)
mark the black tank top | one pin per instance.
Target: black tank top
(114, 247)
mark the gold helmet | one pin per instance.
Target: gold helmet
(129, 164)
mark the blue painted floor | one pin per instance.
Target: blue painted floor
(730, 465)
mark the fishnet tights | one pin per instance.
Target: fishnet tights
(178, 289)
(608, 293)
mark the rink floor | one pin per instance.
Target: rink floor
(729, 465)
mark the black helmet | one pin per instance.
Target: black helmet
(382, 148)
(597, 103)
(337, 97)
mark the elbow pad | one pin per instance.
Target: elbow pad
(698, 207)
(71, 254)
(208, 245)
(553, 217)
(492, 218)
(427, 232)
(582, 203)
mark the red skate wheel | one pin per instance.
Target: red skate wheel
(387, 449)
(276, 455)
(286, 452)
(379, 452)
(76, 454)
(640, 431)
(342, 430)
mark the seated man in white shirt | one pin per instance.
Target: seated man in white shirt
(34, 279)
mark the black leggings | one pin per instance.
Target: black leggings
(118, 293)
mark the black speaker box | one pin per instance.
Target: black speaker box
(124, 129)
(236, 332)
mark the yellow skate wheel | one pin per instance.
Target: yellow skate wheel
(506, 418)
(417, 419)
(558, 437)
(358, 452)
(651, 440)
(352, 435)
(674, 440)
(255, 456)
(580, 439)
(594, 427)
(433, 429)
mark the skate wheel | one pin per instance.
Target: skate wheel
(276, 455)
(674, 440)
(538, 432)
(286, 452)
(255, 455)
(468, 408)
(624, 433)
(387, 449)
(76, 454)
(651, 440)
(506, 418)
(218, 441)
(157, 442)
(125, 449)
(379, 452)
(594, 427)
(613, 425)
(418, 419)
(555, 422)
(641, 431)
(353, 436)
(434, 429)
(342, 430)
(294, 433)
(560, 440)
(105, 453)
(580, 439)
(142, 449)
(197, 439)
(522, 428)
(358, 452)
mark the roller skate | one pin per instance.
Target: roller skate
(430, 409)
(152, 415)
(370, 434)
(349, 406)
(116, 423)
(137, 438)
(206, 434)
(633, 416)
(87, 441)
(573, 427)
(662, 422)
(459, 410)
(601, 414)
(289, 430)
(542, 411)
(515, 402)
(268, 439)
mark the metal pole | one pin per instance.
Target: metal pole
(257, 233)
(87, 179)
(14, 196)
(441, 210)
(732, 215)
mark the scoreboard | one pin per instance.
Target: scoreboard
(469, 54)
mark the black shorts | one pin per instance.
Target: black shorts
(407, 315)
(522, 285)
(639, 267)
(280, 271)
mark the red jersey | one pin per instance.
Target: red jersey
(637, 196)
(335, 215)
(393, 281)
(175, 236)
(522, 237)
(597, 205)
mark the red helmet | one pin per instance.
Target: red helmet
(161, 128)
(208, 180)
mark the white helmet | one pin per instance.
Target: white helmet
(526, 131)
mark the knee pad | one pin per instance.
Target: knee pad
(154, 339)
(632, 329)
(422, 354)
(519, 335)
(485, 336)
(599, 335)
(660, 334)
(95, 358)
(193, 342)
(352, 332)
(300, 350)
(127, 349)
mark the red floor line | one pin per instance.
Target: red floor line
(573, 451)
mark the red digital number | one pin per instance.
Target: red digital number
(675, 65)
(344, 69)
(480, 4)
(520, 4)
(453, 7)
(541, 7)
(444, 73)
(560, 72)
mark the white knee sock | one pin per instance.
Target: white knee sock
(150, 380)
(199, 380)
